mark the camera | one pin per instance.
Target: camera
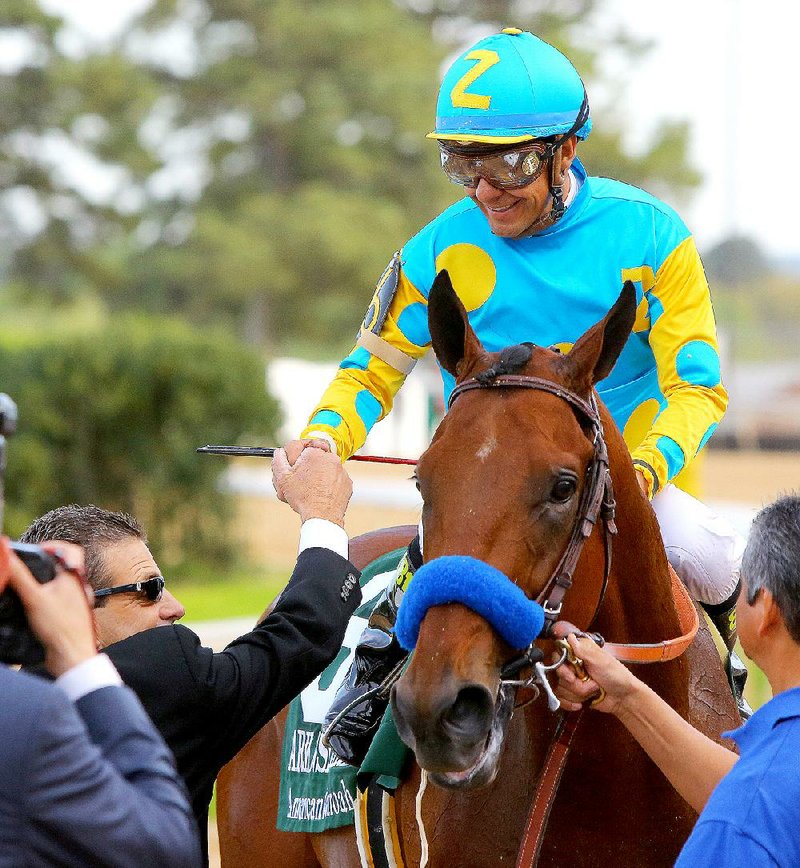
(17, 642)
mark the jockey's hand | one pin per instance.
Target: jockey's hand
(605, 673)
(294, 448)
(315, 486)
(640, 478)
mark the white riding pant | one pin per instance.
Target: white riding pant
(703, 548)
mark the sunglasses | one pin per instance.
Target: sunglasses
(153, 589)
(504, 169)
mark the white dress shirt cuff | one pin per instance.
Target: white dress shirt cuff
(321, 533)
(86, 677)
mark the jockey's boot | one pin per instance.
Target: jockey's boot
(359, 704)
(723, 617)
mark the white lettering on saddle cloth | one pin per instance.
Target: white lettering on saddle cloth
(316, 700)
(309, 754)
(318, 808)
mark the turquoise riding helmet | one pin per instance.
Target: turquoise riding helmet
(510, 87)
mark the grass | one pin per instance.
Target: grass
(232, 594)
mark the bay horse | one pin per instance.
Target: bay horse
(501, 482)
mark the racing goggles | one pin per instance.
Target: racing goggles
(505, 170)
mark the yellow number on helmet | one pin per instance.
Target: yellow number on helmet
(458, 96)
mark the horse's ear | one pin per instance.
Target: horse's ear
(597, 350)
(452, 336)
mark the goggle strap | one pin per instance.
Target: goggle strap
(580, 120)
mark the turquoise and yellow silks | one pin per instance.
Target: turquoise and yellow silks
(665, 392)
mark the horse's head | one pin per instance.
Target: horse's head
(501, 482)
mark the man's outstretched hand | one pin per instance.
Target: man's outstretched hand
(315, 485)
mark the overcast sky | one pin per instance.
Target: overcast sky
(727, 66)
(731, 68)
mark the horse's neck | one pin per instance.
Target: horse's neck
(639, 593)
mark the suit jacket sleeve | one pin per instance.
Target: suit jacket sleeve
(245, 685)
(113, 798)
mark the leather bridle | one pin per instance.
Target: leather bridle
(597, 497)
(597, 500)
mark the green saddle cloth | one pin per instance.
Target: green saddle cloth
(317, 790)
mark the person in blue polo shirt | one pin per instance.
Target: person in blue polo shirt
(749, 804)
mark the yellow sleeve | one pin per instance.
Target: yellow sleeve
(364, 387)
(684, 342)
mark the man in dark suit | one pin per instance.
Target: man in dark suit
(84, 777)
(206, 705)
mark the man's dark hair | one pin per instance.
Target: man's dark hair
(88, 526)
(771, 559)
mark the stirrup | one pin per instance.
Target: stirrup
(359, 706)
(736, 672)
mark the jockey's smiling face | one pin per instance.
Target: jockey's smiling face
(512, 212)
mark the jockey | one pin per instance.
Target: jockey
(538, 250)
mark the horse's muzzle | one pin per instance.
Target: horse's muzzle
(447, 730)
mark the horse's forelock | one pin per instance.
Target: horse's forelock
(511, 361)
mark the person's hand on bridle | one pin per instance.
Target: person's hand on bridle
(605, 673)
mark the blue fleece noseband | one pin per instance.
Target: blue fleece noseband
(475, 584)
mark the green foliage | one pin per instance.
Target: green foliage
(112, 414)
(757, 306)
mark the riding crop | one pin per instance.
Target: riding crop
(269, 451)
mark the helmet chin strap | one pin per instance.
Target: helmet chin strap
(556, 198)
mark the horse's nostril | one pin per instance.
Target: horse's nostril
(470, 715)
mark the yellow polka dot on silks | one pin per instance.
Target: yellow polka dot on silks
(471, 271)
(640, 422)
(564, 347)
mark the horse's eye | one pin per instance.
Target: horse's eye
(563, 489)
